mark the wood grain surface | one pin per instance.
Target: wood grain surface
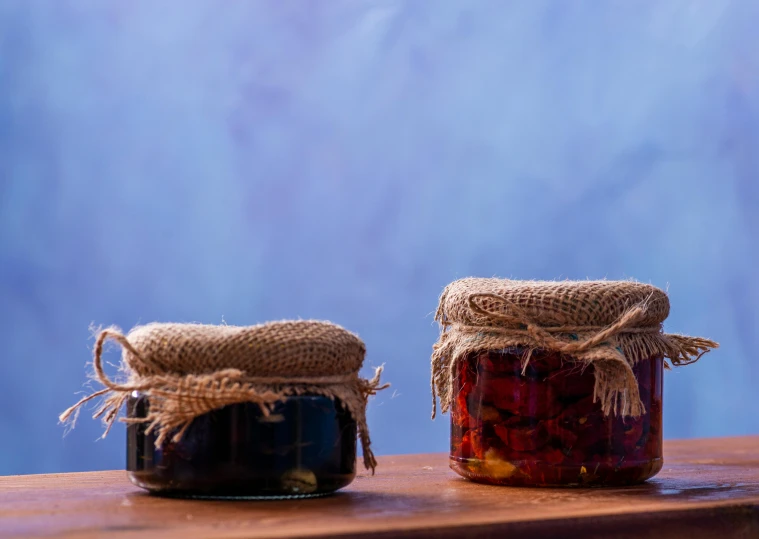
(708, 488)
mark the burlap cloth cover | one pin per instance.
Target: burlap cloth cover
(609, 324)
(187, 370)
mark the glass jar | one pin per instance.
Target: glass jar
(305, 447)
(541, 427)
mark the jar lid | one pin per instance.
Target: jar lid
(552, 303)
(300, 348)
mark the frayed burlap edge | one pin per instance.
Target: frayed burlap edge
(175, 401)
(612, 350)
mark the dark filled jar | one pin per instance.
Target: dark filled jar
(305, 447)
(555, 383)
(268, 411)
(540, 425)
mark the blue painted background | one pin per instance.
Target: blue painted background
(344, 160)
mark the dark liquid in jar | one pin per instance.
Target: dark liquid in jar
(542, 428)
(305, 447)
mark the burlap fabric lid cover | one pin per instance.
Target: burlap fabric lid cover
(187, 370)
(609, 324)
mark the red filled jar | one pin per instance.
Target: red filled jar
(555, 384)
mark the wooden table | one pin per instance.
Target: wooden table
(708, 488)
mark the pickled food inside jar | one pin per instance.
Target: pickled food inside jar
(541, 427)
(305, 447)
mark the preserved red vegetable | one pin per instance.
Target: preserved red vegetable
(543, 428)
